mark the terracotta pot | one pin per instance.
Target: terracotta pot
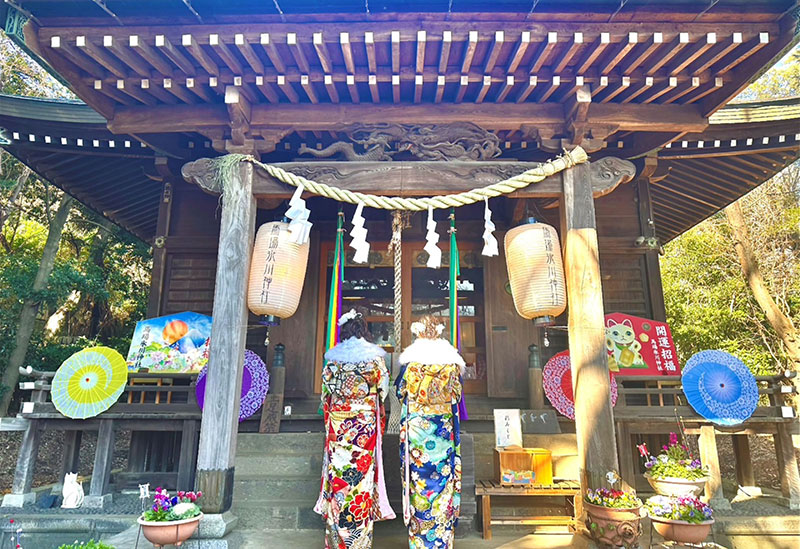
(681, 531)
(614, 527)
(169, 533)
(673, 486)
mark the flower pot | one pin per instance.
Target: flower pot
(681, 531)
(673, 486)
(169, 533)
(614, 527)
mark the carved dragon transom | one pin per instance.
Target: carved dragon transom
(456, 141)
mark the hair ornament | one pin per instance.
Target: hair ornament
(439, 329)
(417, 328)
(349, 315)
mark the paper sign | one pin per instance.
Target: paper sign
(507, 428)
(639, 346)
(543, 422)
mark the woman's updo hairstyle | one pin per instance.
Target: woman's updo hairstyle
(428, 327)
(354, 324)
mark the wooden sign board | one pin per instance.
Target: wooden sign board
(271, 413)
(507, 428)
(540, 422)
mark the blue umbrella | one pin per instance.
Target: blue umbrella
(720, 387)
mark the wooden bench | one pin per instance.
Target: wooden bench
(485, 489)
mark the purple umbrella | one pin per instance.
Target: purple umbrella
(255, 384)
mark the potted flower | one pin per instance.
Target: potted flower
(682, 519)
(171, 520)
(612, 516)
(674, 472)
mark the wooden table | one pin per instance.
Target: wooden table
(485, 489)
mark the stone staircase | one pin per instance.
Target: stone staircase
(278, 475)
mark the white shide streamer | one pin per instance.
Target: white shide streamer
(489, 241)
(299, 225)
(432, 237)
(359, 235)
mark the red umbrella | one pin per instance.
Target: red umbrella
(557, 381)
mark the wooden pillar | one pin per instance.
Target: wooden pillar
(787, 465)
(155, 301)
(535, 384)
(627, 463)
(594, 419)
(23, 475)
(70, 453)
(187, 459)
(710, 458)
(99, 495)
(220, 423)
(744, 463)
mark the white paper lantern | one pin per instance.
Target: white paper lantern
(277, 271)
(535, 270)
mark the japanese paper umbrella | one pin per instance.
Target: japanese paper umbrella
(89, 382)
(720, 387)
(255, 384)
(557, 381)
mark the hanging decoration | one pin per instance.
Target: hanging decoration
(359, 236)
(535, 271)
(720, 387)
(337, 278)
(557, 383)
(89, 382)
(255, 384)
(277, 271)
(299, 226)
(455, 272)
(490, 248)
(432, 238)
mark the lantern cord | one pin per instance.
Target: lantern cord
(416, 204)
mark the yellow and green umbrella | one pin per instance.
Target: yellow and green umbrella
(89, 382)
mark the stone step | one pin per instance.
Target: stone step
(305, 464)
(263, 444)
(255, 492)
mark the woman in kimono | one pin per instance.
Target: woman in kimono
(429, 389)
(354, 383)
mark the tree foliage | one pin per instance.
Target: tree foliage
(709, 304)
(99, 284)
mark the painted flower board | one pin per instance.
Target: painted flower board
(176, 343)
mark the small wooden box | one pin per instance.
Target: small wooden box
(525, 466)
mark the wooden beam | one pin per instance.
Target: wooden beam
(433, 178)
(331, 89)
(594, 418)
(706, 61)
(189, 42)
(322, 52)
(544, 51)
(110, 63)
(127, 56)
(444, 54)
(494, 52)
(369, 44)
(593, 52)
(248, 53)
(519, 52)
(673, 49)
(710, 458)
(22, 484)
(219, 426)
(643, 52)
(619, 53)
(395, 52)
(272, 52)
(149, 54)
(224, 52)
(566, 57)
(166, 47)
(631, 117)
(422, 39)
(469, 51)
(297, 52)
(347, 52)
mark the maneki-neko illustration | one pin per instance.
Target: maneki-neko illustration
(639, 346)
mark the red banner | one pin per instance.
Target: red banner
(639, 346)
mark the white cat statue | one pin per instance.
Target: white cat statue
(72, 492)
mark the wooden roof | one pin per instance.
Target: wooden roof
(67, 143)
